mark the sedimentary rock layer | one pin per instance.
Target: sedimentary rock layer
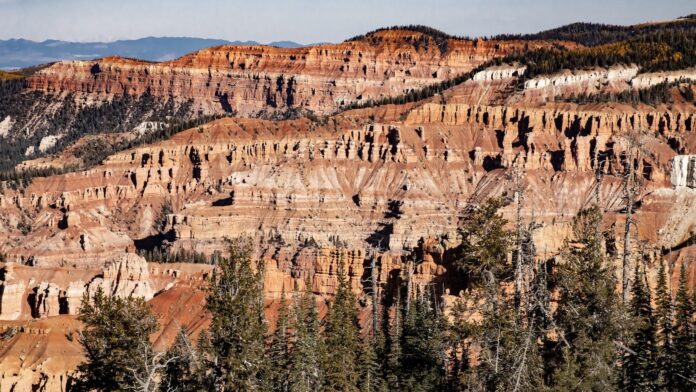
(250, 80)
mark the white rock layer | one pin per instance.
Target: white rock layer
(683, 173)
(566, 77)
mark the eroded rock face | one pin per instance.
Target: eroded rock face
(11, 298)
(384, 184)
(126, 277)
(500, 72)
(599, 75)
(380, 186)
(652, 78)
(329, 196)
(684, 171)
(253, 79)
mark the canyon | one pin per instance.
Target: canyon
(387, 183)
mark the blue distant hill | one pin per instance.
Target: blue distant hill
(18, 53)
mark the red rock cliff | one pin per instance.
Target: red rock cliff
(255, 79)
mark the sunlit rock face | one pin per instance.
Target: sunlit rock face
(250, 80)
(684, 171)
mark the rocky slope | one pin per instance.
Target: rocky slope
(251, 80)
(63, 101)
(384, 184)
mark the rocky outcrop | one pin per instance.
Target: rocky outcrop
(652, 78)
(572, 77)
(11, 296)
(5, 126)
(371, 183)
(40, 355)
(254, 79)
(126, 277)
(500, 72)
(684, 171)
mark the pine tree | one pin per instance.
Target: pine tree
(279, 351)
(459, 333)
(640, 371)
(684, 340)
(485, 244)
(235, 350)
(393, 345)
(116, 338)
(370, 369)
(308, 349)
(510, 356)
(160, 222)
(341, 370)
(589, 314)
(423, 348)
(181, 371)
(664, 320)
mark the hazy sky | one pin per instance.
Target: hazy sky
(308, 21)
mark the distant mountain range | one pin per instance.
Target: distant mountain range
(18, 53)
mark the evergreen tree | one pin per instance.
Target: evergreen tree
(485, 244)
(459, 332)
(278, 352)
(160, 222)
(588, 316)
(640, 371)
(308, 349)
(393, 345)
(235, 348)
(684, 340)
(423, 347)
(115, 339)
(341, 370)
(181, 371)
(509, 357)
(664, 320)
(370, 369)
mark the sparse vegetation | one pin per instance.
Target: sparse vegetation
(420, 94)
(164, 254)
(71, 121)
(657, 94)
(430, 36)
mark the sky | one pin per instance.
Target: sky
(310, 21)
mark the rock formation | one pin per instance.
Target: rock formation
(652, 78)
(253, 79)
(599, 75)
(684, 171)
(126, 277)
(319, 195)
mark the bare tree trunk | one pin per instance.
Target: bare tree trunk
(518, 233)
(629, 191)
(409, 285)
(375, 310)
(598, 175)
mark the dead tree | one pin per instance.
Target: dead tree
(148, 372)
(409, 285)
(373, 287)
(630, 188)
(519, 270)
(598, 175)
